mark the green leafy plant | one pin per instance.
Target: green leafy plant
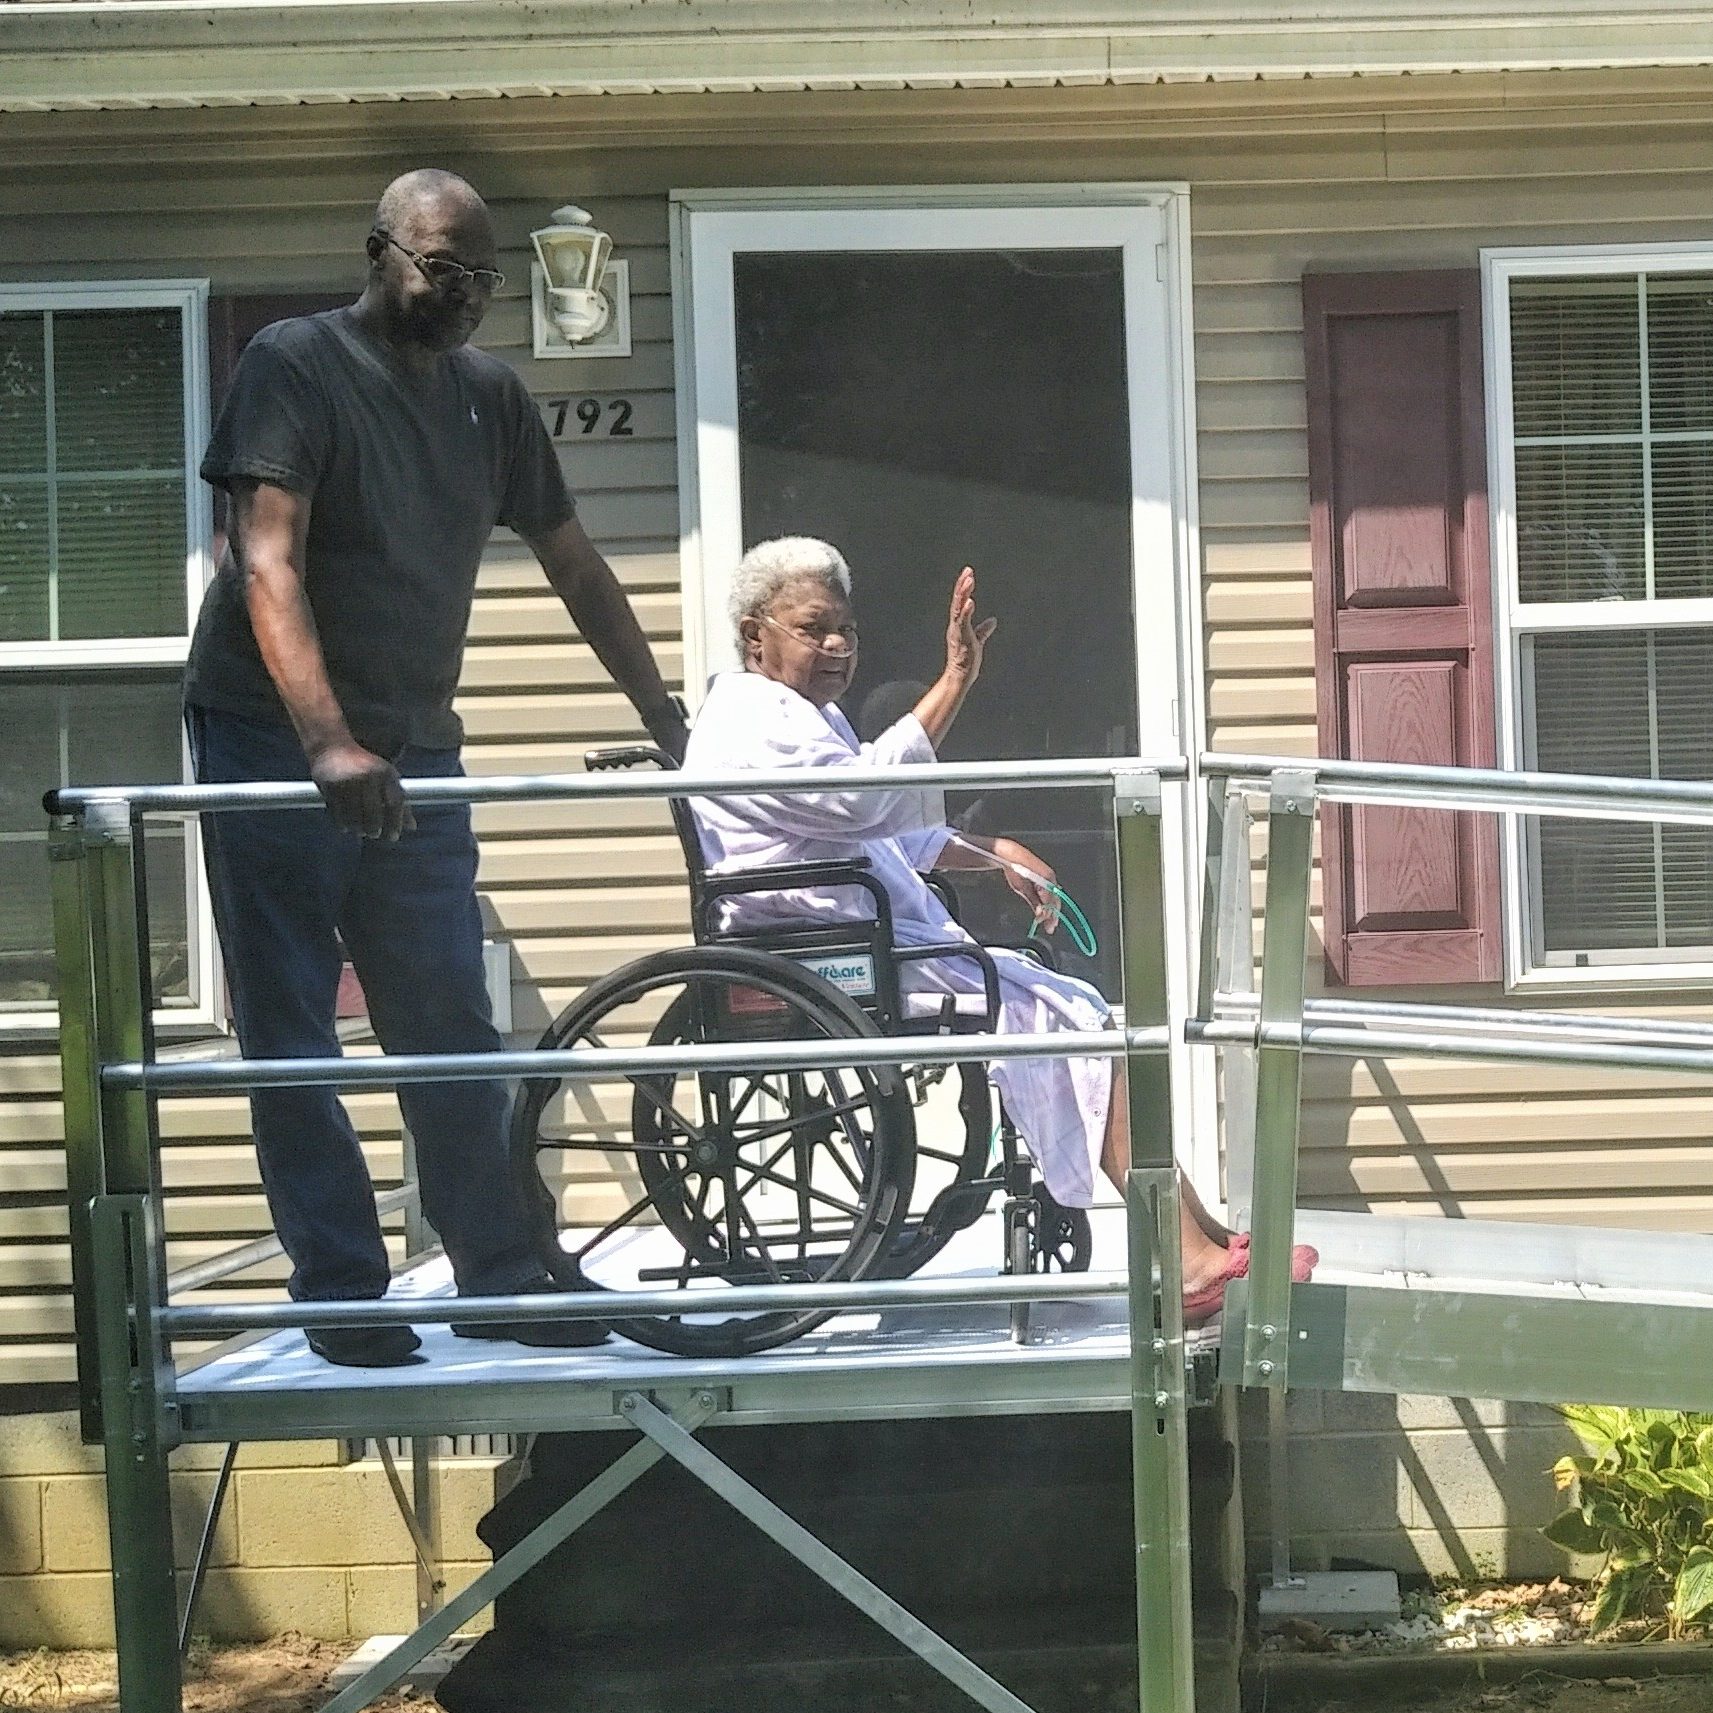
(1642, 1497)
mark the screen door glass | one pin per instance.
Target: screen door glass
(924, 410)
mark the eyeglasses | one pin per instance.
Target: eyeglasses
(839, 641)
(441, 272)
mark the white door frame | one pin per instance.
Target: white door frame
(1150, 224)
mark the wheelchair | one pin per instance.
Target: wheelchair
(705, 1180)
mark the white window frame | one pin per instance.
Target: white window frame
(1514, 619)
(190, 298)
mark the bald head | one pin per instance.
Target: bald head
(428, 192)
(432, 261)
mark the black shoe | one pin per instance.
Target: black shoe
(365, 1346)
(546, 1334)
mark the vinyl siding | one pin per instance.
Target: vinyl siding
(1284, 177)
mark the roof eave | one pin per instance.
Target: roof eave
(160, 53)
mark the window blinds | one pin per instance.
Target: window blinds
(1612, 400)
(92, 492)
(1612, 394)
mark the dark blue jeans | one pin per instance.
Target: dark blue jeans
(287, 885)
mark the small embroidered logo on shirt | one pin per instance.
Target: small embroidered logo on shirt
(474, 418)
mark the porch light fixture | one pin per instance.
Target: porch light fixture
(581, 296)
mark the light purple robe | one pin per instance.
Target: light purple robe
(749, 721)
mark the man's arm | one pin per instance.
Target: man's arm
(269, 528)
(584, 581)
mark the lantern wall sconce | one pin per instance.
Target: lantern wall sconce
(579, 296)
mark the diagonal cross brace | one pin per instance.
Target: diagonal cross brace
(504, 1571)
(672, 1438)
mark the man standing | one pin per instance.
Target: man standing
(368, 453)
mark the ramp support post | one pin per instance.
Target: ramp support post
(1279, 1076)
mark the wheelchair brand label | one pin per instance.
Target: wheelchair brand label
(849, 972)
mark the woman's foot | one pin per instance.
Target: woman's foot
(1204, 1296)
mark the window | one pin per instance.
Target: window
(1601, 371)
(104, 550)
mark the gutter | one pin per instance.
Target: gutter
(165, 53)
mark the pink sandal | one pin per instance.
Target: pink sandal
(1201, 1306)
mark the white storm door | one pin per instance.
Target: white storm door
(1000, 385)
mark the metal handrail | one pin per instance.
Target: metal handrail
(386, 1070)
(1283, 1022)
(1355, 1043)
(125, 1328)
(205, 1319)
(1576, 796)
(1427, 1015)
(524, 788)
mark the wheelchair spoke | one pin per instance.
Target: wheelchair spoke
(944, 1155)
(839, 1160)
(614, 1226)
(861, 1147)
(659, 1101)
(763, 1253)
(701, 1221)
(667, 1110)
(741, 1105)
(593, 1145)
(782, 1126)
(802, 1188)
(766, 1166)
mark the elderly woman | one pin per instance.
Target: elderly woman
(791, 604)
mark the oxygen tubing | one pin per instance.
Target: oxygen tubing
(1070, 912)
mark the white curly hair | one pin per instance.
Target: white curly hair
(771, 566)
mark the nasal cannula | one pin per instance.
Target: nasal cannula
(1076, 923)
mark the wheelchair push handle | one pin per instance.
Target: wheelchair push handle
(616, 756)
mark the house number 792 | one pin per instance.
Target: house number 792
(589, 413)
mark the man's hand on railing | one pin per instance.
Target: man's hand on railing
(362, 790)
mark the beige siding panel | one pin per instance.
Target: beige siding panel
(192, 1120)
(638, 565)
(532, 616)
(564, 667)
(570, 715)
(574, 910)
(28, 1073)
(1251, 455)
(614, 465)
(1280, 601)
(563, 862)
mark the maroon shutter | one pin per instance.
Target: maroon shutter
(1403, 615)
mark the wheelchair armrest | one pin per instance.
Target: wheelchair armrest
(782, 877)
(972, 952)
(627, 755)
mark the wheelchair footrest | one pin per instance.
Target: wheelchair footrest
(958, 1206)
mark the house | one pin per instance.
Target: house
(1339, 384)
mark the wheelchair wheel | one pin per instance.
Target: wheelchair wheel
(705, 1180)
(955, 1179)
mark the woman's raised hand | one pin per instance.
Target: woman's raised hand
(965, 638)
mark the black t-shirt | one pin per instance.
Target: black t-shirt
(408, 474)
